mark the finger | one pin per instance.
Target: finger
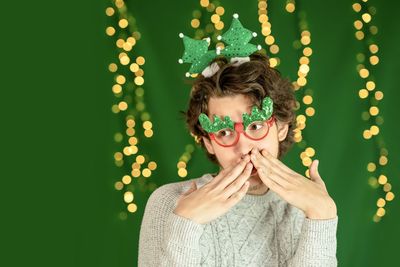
(193, 187)
(314, 173)
(261, 162)
(277, 178)
(230, 176)
(238, 183)
(222, 173)
(274, 186)
(277, 162)
(236, 197)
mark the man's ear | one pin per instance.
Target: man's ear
(208, 145)
(283, 129)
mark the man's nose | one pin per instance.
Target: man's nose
(244, 145)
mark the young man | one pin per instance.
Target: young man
(256, 211)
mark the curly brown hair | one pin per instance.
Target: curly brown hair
(254, 79)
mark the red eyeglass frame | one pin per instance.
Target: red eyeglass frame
(239, 128)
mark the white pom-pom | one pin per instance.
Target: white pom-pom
(187, 74)
(181, 35)
(259, 47)
(219, 37)
(180, 61)
(254, 34)
(235, 15)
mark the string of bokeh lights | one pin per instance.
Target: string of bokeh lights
(372, 96)
(210, 16)
(129, 105)
(303, 45)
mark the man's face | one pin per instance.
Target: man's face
(234, 107)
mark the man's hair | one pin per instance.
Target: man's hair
(254, 79)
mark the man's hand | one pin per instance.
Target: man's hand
(311, 196)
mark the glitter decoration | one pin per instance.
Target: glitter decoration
(259, 115)
(196, 52)
(217, 125)
(256, 115)
(237, 39)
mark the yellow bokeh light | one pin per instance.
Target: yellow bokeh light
(373, 48)
(148, 133)
(383, 160)
(119, 185)
(269, 40)
(371, 167)
(367, 134)
(381, 202)
(147, 125)
(181, 164)
(182, 172)
(110, 11)
(152, 165)
(140, 159)
(374, 60)
(363, 93)
(112, 67)
(366, 17)
(110, 31)
(204, 3)
(356, 7)
(359, 35)
(123, 23)
(135, 172)
(219, 26)
(146, 172)
(120, 79)
(132, 207)
(364, 73)
(378, 95)
(195, 23)
(374, 111)
(122, 105)
(389, 196)
(374, 130)
(370, 85)
(310, 111)
(126, 179)
(380, 212)
(220, 10)
(140, 60)
(382, 179)
(290, 7)
(134, 67)
(117, 88)
(128, 197)
(307, 99)
(358, 24)
(310, 151)
(139, 80)
(307, 51)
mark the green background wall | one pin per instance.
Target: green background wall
(58, 202)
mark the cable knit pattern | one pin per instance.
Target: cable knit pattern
(261, 230)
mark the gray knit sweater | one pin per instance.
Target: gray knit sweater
(261, 230)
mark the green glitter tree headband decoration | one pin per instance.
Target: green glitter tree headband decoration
(237, 39)
(256, 115)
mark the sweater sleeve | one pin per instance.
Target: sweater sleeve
(316, 244)
(167, 239)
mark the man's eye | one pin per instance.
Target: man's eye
(255, 126)
(224, 133)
